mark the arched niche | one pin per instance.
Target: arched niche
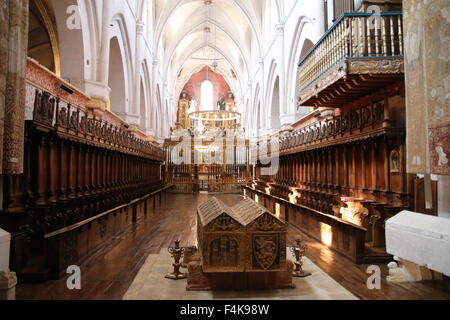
(255, 114)
(117, 79)
(307, 46)
(258, 119)
(275, 105)
(43, 43)
(75, 42)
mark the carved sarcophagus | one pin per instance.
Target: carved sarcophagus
(220, 238)
(244, 238)
(265, 237)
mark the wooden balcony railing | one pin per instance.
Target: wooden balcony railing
(353, 36)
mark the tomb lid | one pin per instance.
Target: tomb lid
(214, 208)
(249, 211)
(5, 237)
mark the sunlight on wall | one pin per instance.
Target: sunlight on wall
(256, 198)
(277, 210)
(353, 212)
(293, 196)
(326, 234)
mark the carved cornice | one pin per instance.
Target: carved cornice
(324, 82)
(376, 66)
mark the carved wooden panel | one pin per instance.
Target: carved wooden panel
(245, 237)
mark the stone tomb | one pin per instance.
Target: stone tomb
(240, 248)
(419, 241)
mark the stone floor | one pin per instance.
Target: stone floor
(150, 284)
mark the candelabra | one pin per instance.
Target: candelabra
(177, 253)
(299, 252)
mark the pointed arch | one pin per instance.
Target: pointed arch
(275, 105)
(117, 78)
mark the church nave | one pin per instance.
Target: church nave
(224, 149)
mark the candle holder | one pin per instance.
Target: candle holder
(299, 252)
(177, 253)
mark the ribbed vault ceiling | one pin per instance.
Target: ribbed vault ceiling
(181, 38)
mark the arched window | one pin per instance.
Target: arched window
(207, 95)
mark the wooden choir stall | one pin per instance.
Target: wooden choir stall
(86, 178)
(342, 169)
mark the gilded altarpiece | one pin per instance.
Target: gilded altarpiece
(183, 121)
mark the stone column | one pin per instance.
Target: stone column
(154, 97)
(4, 17)
(13, 52)
(262, 118)
(285, 118)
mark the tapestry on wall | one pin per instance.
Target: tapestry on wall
(427, 68)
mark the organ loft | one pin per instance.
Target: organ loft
(177, 150)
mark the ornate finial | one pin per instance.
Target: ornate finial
(177, 253)
(299, 252)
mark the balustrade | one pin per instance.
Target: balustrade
(353, 36)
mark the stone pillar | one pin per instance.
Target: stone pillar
(4, 15)
(284, 117)
(154, 97)
(263, 120)
(8, 279)
(13, 52)
(103, 75)
(135, 108)
(98, 87)
(248, 119)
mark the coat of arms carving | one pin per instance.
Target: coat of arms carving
(265, 249)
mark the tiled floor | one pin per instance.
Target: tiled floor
(150, 284)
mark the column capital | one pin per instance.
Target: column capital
(155, 63)
(140, 27)
(280, 27)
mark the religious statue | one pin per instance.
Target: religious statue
(221, 104)
(193, 105)
(230, 103)
(183, 110)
